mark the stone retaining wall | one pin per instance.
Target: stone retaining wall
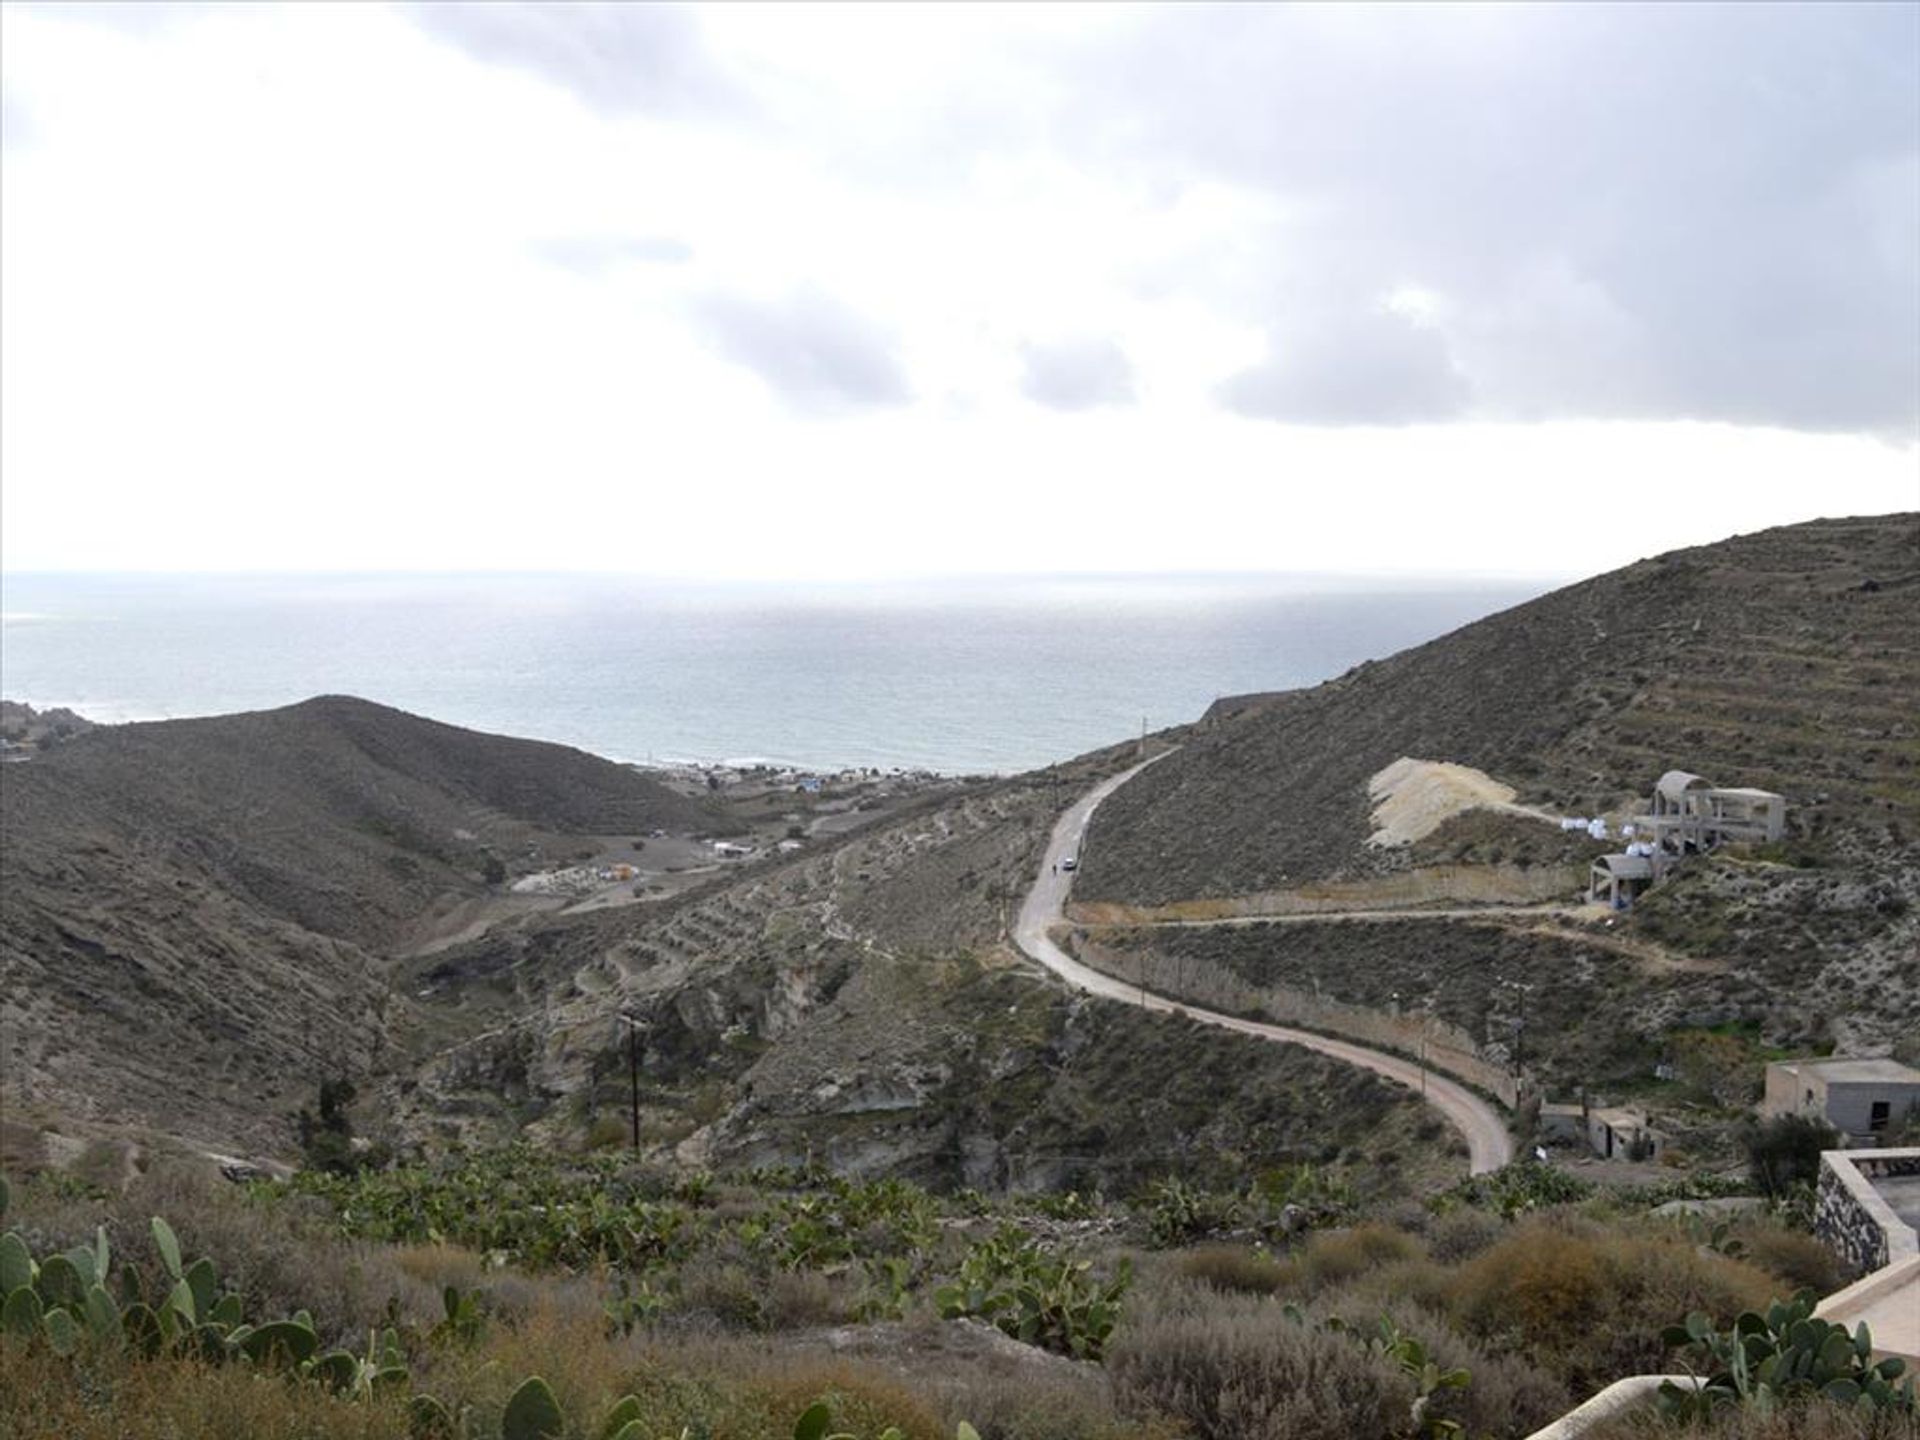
(1404, 890)
(1431, 1041)
(1852, 1218)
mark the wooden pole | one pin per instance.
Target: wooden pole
(633, 1077)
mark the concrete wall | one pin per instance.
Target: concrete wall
(1850, 1103)
(1787, 1092)
(1404, 890)
(1845, 1104)
(1623, 1136)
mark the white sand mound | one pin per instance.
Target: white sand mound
(1413, 798)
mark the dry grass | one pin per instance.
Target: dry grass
(727, 1394)
(112, 1399)
(439, 1265)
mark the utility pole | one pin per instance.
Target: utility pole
(1426, 1019)
(1520, 1028)
(633, 1075)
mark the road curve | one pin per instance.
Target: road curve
(1488, 1147)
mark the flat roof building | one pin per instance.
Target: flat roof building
(1864, 1099)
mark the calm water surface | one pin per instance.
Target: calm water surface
(956, 676)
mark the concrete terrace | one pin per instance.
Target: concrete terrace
(1863, 1192)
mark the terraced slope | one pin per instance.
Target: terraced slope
(1788, 659)
(861, 1007)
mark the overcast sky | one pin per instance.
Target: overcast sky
(881, 291)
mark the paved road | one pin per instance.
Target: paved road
(1488, 1146)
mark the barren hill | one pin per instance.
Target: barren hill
(193, 909)
(1788, 659)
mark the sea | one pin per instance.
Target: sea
(958, 676)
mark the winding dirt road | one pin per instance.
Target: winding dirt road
(1488, 1147)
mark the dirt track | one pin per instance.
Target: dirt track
(1488, 1145)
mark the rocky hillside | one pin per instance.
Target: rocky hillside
(1786, 660)
(339, 815)
(859, 1006)
(192, 913)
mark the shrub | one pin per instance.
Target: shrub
(1784, 1151)
(798, 1299)
(1336, 1256)
(608, 1132)
(1462, 1234)
(727, 1292)
(1243, 1371)
(1588, 1303)
(1234, 1269)
(280, 1259)
(1539, 1283)
(1506, 1395)
(1793, 1257)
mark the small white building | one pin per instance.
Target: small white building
(1862, 1099)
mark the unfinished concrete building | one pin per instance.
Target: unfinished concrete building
(1688, 815)
(1616, 881)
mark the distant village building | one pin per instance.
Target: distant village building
(1862, 1099)
(1688, 815)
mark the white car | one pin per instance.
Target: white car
(1069, 863)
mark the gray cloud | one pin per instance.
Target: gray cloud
(1373, 369)
(1077, 374)
(820, 356)
(1657, 212)
(595, 255)
(613, 56)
